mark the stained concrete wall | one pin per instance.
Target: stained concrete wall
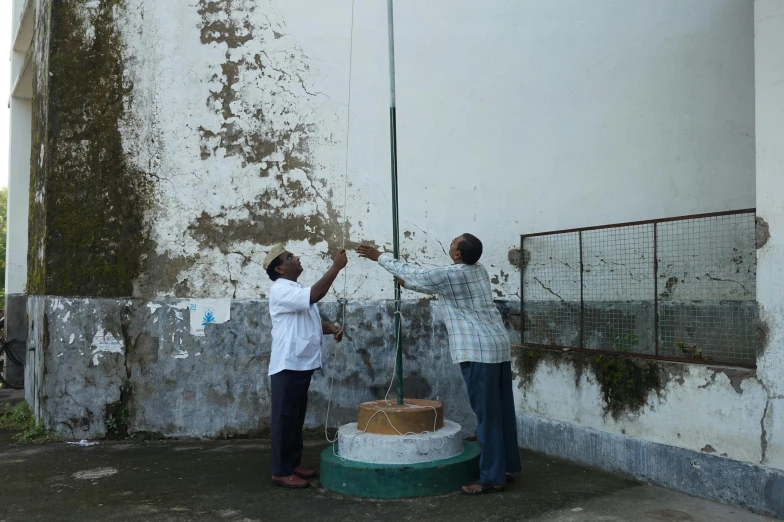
(137, 362)
(234, 132)
(769, 70)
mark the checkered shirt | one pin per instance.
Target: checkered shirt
(474, 324)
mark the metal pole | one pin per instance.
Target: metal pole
(655, 289)
(522, 290)
(395, 218)
(582, 295)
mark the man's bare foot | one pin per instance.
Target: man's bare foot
(481, 489)
(292, 481)
(304, 473)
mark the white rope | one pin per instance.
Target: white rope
(343, 301)
(397, 336)
(412, 436)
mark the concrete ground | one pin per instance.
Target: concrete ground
(229, 481)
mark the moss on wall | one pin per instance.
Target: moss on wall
(91, 215)
(37, 210)
(526, 361)
(625, 382)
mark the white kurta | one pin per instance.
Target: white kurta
(296, 328)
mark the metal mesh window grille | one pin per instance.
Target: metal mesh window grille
(678, 288)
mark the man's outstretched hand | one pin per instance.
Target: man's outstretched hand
(368, 252)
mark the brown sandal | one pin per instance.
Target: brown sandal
(305, 473)
(292, 481)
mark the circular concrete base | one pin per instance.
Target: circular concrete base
(372, 448)
(398, 481)
(390, 418)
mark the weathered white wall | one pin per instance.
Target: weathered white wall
(769, 71)
(735, 414)
(572, 114)
(513, 117)
(699, 409)
(533, 116)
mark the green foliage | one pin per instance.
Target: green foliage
(691, 351)
(626, 342)
(111, 424)
(626, 383)
(116, 423)
(21, 419)
(526, 363)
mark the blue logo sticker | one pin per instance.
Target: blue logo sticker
(209, 317)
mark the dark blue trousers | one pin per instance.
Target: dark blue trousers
(492, 399)
(289, 403)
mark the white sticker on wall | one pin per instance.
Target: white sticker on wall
(104, 342)
(208, 311)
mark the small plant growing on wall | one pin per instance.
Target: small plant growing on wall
(111, 424)
(626, 343)
(691, 351)
(117, 425)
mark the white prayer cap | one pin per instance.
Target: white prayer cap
(276, 251)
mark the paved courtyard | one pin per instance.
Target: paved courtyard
(229, 481)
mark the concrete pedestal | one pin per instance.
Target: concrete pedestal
(393, 451)
(396, 480)
(357, 445)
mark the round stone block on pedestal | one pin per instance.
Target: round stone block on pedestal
(435, 477)
(372, 448)
(389, 418)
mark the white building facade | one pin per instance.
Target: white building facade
(174, 143)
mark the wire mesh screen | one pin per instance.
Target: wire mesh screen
(552, 290)
(707, 288)
(680, 288)
(618, 286)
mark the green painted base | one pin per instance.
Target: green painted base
(399, 481)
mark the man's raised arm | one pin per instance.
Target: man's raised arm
(319, 290)
(426, 280)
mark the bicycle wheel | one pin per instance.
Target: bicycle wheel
(11, 356)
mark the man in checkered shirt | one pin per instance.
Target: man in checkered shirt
(479, 343)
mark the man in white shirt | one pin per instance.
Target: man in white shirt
(297, 332)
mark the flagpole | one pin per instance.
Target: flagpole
(395, 216)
